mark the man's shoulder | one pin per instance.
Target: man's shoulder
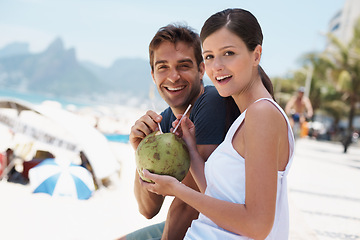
(167, 115)
(166, 111)
(211, 91)
(168, 118)
(208, 103)
(210, 95)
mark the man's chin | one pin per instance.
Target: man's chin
(176, 104)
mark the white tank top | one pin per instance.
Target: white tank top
(225, 177)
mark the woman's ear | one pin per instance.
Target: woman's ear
(257, 55)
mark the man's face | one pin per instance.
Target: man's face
(176, 75)
(300, 94)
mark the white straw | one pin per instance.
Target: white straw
(182, 118)
(161, 132)
(160, 128)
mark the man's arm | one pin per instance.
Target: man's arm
(180, 215)
(149, 203)
(308, 107)
(290, 105)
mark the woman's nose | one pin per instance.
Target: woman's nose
(218, 64)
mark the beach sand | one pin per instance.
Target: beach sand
(108, 214)
(323, 199)
(318, 210)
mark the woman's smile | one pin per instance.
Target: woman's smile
(222, 80)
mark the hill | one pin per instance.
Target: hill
(56, 71)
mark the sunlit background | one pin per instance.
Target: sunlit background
(96, 52)
(75, 76)
(104, 31)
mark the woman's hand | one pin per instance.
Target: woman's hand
(162, 184)
(186, 131)
(167, 185)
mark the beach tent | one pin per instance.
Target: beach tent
(68, 132)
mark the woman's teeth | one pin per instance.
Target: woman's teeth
(222, 77)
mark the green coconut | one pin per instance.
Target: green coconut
(164, 154)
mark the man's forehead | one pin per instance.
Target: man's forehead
(168, 51)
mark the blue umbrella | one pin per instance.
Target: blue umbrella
(61, 178)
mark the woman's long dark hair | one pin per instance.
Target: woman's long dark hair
(244, 25)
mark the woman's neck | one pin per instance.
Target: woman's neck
(245, 98)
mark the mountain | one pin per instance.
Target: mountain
(125, 75)
(56, 71)
(16, 48)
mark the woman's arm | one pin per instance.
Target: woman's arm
(180, 214)
(260, 141)
(197, 152)
(225, 214)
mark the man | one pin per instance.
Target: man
(177, 69)
(299, 109)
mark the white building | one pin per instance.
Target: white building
(342, 24)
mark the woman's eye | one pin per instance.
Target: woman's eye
(229, 53)
(207, 57)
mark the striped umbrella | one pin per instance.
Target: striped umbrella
(61, 178)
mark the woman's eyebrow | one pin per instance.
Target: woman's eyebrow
(222, 48)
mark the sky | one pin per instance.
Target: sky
(102, 31)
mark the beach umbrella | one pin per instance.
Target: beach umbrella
(61, 129)
(61, 178)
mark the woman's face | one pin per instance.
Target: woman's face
(228, 62)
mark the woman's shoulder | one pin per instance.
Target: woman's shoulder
(264, 111)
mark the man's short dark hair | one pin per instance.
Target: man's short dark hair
(175, 33)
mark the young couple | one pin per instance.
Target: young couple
(239, 164)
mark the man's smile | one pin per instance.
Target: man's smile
(175, 89)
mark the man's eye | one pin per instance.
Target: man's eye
(162, 67)
(184, 66)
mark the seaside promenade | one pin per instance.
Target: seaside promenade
(324, 200)
(324, 191)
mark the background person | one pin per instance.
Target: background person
(177, 69)
(244, 182)
(299, 108)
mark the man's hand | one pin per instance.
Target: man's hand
(149, 203)
(143, 127)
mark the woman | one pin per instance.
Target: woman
(243, 183)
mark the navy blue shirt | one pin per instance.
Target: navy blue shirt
(211, 114)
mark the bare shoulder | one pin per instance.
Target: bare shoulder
(265, 113)
(263, 108)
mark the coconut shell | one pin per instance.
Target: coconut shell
(164, 154)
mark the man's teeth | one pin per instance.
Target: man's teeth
(222, 77)
(175, 89)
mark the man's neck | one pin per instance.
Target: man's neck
(182, 109)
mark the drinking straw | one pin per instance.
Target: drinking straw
(182, 118)
(161, 132)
